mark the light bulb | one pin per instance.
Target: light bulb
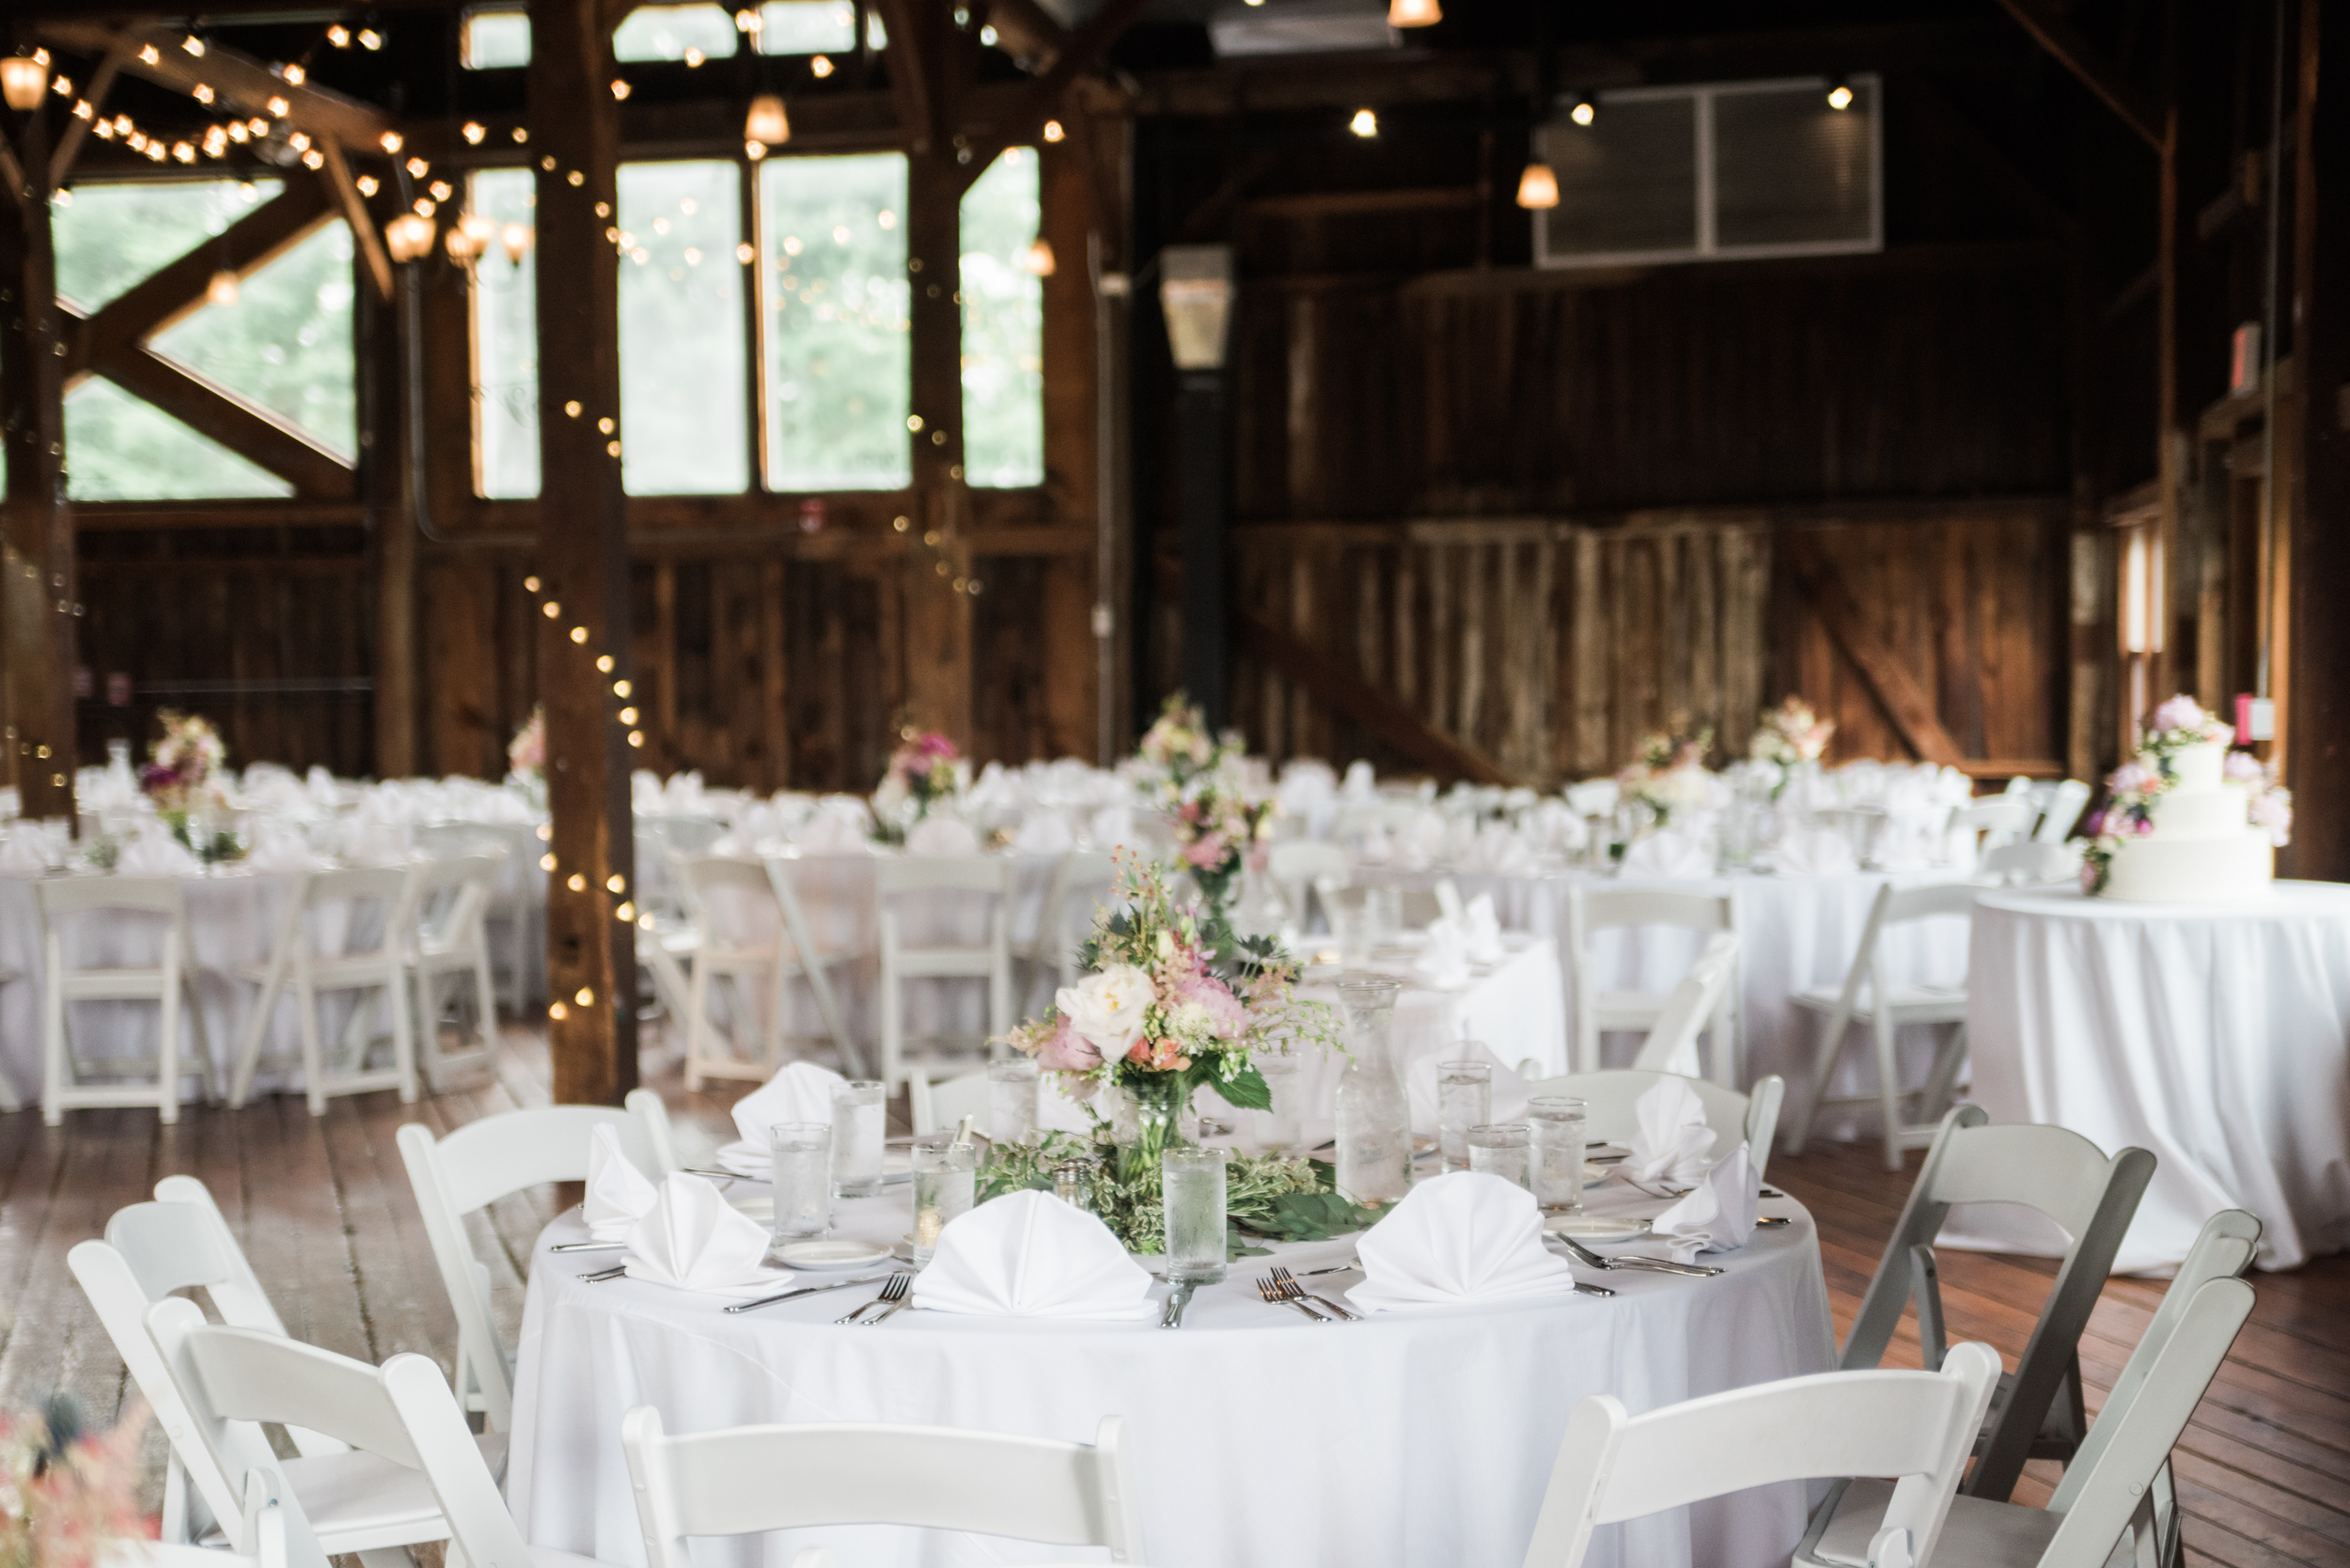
(1365, 123)
(1839, 96)
(767, 123)
(1538, 188)
(1413, 14)
(1584, 112)
(22, 79)
(222, 290)
(1037, 260)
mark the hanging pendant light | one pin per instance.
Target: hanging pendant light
(222, 289)
(1538, 187)
(1037, 261)
(1413, 14)
(409, 236)
(767, 124)
(22, 81)
(515, 238)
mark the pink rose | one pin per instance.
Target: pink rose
(2133, 777)
(2180, 712)
(1068, 1051)
(1206, 852)
(1231, 1018)
(2243, 767)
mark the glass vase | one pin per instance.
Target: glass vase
(1149, 1120)
(1374, 1142)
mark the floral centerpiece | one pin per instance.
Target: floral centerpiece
(180, 782)
(527, 753)
(1790, 733)
(2132, 788)
(926, 769)
(1670, 775)
(67, 1496)
(1219, 833)
(1178, 748)
(1153, 1020)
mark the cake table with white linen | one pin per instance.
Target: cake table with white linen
(1417, 1436)
(2216, 1035)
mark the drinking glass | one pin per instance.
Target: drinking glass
(1500, 1150)
(944, 1175)
(1279, 1128)
(1012, 1100)
(1557, 1123)
(1349, 909)
(1465, 1099)
(857, 1130)
(1191, 1185)
(801, 1153)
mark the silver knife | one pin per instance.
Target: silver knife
(805, 1289)
(1179, 1299)
(588, 1246)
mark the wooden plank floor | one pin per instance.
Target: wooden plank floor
(323, 1209)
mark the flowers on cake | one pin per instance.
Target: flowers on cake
(2270, 802)
(2133, 790)
(1790, 733)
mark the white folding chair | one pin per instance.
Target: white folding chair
(486, 1160)
(2061, 809)
(513, 919)
(1597, 1011)
(452, 943)
(1671, 1045)
(1610, 1096)
(942, 1105)
(1299, 866)
(936, 1477)
(178, 1242)
(757, 970)
(2120, 1479)
(2034, 861)
(424, 1470)
(169, 984)
(382, 969)
(1052, 947)
(1871, 996)
(2038, 1412)
(989, 960)
(265, 1524)
(1913, 1426)
(1986, 824)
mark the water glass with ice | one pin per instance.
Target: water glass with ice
(858, 1108)
(1280, 1128)
(1191, 1186)
(945, 1181)
(801, 1153)
(1012, 1100)
(1465, 1099)
(1500, 1150)
(1557, 1123)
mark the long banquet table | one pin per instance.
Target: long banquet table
(1257, 1438)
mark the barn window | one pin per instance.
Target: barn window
(684, 405)
(505, 344)
(1003, 326)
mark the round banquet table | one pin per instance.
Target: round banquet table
(2217, 1036)
(1256, 1437)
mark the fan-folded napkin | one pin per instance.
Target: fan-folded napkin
(693, 1240)
(1031, 1255)
(801, 1092)
(832, 831)
(156, 854)
(1665, 852)
(1555, 828)
(1443, 962)
(1814, 852)
(1464, 1237)
(942, 835)
(1483, 928)
(1045, 833)
(1361, 783)
(277, 847)
(1718, 1212)
(1671, 1139)
(1421, 840)
(619, 1194)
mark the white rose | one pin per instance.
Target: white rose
(1106, 1009)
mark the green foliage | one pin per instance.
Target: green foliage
(1267, 1195)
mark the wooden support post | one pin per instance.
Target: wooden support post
(583, 556)
(937, 624)
(41, 595)
(2170, 441)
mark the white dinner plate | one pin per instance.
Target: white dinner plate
(830, 1254)
(1597, 1228)
(748, 1161)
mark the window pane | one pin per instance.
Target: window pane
(683, 416)
(838, 366)
(806, 27)
(284, 345)
(505, 344)
(666, 32)
(109, 237)
(119, 447)
(495, 39)
(1003, 326)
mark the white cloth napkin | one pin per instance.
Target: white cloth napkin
(693, 1240)
(1665, 852)
(1593, 797)
(619, 1194)
(1361, 783)
(1376, 848)
(942, 835)
(1421, 840)
(1029, 1254)
(834, 832)
(1045, 833)
(1443, 962)
(1719, 1213)
(801, 1092)
(23, 854)
(1483, 930)
(1670, 1141)
(1462, 1237)
(1814, 852)
(277, 847)
(1496, 848)
(1553, 828)
(1509, 1091)
(156, 853)
(1113, 827)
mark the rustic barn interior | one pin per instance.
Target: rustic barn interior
(746, 389)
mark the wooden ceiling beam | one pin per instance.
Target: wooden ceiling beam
(242, 83)
(291, 454)
(914, 82)
(337, 177)
(1041, 97)
(1027, 31)
(2138, 109)
(101, 83)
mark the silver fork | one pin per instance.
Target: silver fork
(1295, 1292)
(893, 1293)
(1279, 1298)
(892, 1288)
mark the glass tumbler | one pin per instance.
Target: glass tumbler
(801, 1153)
(1191, 1184)
(1500, 1150)
(1281, 1128)
(946, 1174)
(1557, 1154)
(1012, 1100)
(858, 1108)
(1465, 1099)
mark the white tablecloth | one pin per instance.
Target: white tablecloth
(1257, 1438)
(2218, 1037)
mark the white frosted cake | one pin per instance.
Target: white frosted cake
(2203, 848)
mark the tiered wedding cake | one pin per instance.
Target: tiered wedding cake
(2189, 823)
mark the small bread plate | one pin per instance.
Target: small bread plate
(830, 1254)
(1597, 1228)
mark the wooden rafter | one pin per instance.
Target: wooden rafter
(1029, 32)
(261, 438)
(1036, 103)
(177, 289)
(101, 83)
(913, 79)
(2060, 38)
(239, 82)
(337, 178)
(1905, 702)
